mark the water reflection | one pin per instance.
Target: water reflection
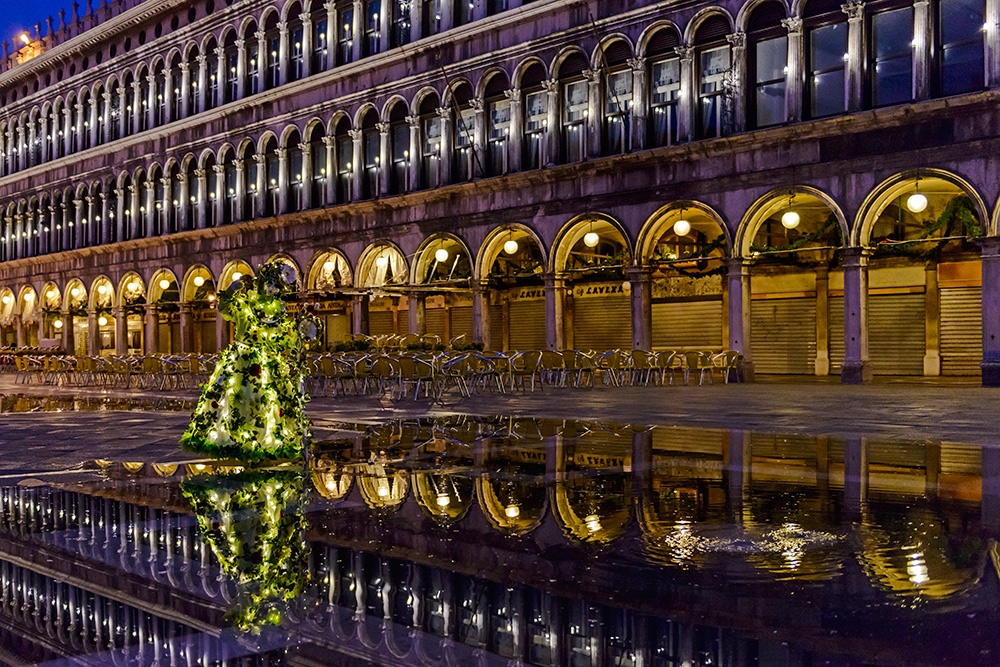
(481, 541)
(10, 403)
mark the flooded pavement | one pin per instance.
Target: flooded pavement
(499, 541)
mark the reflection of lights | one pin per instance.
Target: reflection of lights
(198, 281)
(916, 568)
(790, 220)
(443, 500)
(510, 247)
(591, 239)
(916, 202)
(441, 255)
(593, 523)
(682, 227)
(512, 511)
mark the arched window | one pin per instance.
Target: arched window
(143, 101)
(536, 117)
(139, 220)
(36, 146)
(464, 133)
(272, 69)
(191, 95)
(112, 123)
(664, 86)
(345, 164)
(371, 146)
(826, 52)
(231, 54)
(175, 200)
(960, 45)
(160, 99)
(497, 125)
(83, 119)
(75, 108)
(251, 81)
(463, 11)
(212, 93)
(296, 44)
(320, 43)
(891, 57)
(713, 63)
(109, 228)
(128, 208)
(249, 166)
(431, 17)
(173, 85)
(496, 6)
(296, 186)
(161, 205)
(766, 62)
(617, 98)
(317, 156)
(430, 142)
(399, 150)
(57, 149)
(575, 107)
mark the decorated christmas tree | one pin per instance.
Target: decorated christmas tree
(253, 406)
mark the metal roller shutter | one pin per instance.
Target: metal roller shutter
(496, 326)
(959, 459)
(527, 325)
(961, 330)
(207, 336)
(836, 333)
(687, 324)
(434, 319)
(602, 323)
(896, 341)
(783, 335)
(380, 323)
(707, 441)
(461, 321)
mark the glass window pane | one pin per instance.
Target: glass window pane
(892, 36)
(618, 92)
(827, 46)
(827, 94)
(772, 55)
(770, 104)
(499, 119)
(536, 110)
(962, 69)
(577, 98)
(892, 33)
(962, 20)
(714, 63)
(666, 80)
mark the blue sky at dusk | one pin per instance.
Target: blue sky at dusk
(19, 15)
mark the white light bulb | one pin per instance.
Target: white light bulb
(329, 266)
(198, 281)
(441, 255)
(790, 220)
(237, 275)
(76, 292)
(512, 511)
(29, 297)
(102, 290)
(164, 284)
(102, 320)
(682, 227)
(916, 202)
(510, 247)
(8, 299)
(57, 324)
(51, 294)
(381, 262)
(591, 239)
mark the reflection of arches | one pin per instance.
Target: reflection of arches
(580, 230)
(497, 241)
(701, 216)
(518, 509)
(330, 482)
(774, 202)
(590, 518)
(329, 269)
(445, 498)
(232, 272)
(898, 185)
(383, 488)
(441, 257)
(381, 264)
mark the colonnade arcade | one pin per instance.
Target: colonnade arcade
(797, 286)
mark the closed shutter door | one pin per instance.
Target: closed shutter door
(836, 334)
(380, 323)
(527, 325)
(434, 318)
(687, 324)
(461, 321)
(175, 336)
(207, 332)
(957, 459)
(602, 324)
(961, 330)
(896, 334)
(496, 326)
(783, 335)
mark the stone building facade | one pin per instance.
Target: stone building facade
(813, 184)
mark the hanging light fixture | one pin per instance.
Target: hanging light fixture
(329, 266)
(164, 283)
(57, 324)
(441, 255)
(102, 320)
(916, 202)
(198, 281)
(76, 292)
(7, 299)
(381, 261)
(102, 290)
(51, 294)
(512, 511)
(510, 247)
(236, 276)
(791, 219)
(29, 297)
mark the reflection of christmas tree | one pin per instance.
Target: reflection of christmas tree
(253, 521)
(253, 406)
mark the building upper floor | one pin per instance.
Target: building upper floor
(257, 109)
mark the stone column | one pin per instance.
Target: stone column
(417, 310)
(552, 135)
(306, 177)
(105, 119)
(282, 53)
(241, 190)
(414, 158)
(444, 170)
(639, 113)
(923, 72)
(687, 105)
(856, 54)
(202, 82)
(219, 202)
(282, 154)
(168, 204)
(359, 314)
(795, 62)
(642, 307)
(187, 328)
(241, 68)
(447, 15)
(357, 164)
(263, 56)
(515, 136)
(185, 89)
(307, 45)
(20, 330)
(331, 38)
(202, 203)
(357, 31)
(181, 216)
(152, 329)
(67, 137)
(856, 368)
(123, 128)
(855, 476)
(67, 342)
(330, 181)
(220, 77)
(151, 101)
(260, 189)
(382, 169)
(93, 334)
(121, 332)
(149, 219)
(595, 107)
(76, 235)
(822, 364)
(992, 26)
(738, 42)
(478, 137)
(990, 248)
(120, 217)
(481, 323)
(738, 296)
(932, 321)
(416, 19)
(555, 300)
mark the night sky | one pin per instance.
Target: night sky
(19, 15)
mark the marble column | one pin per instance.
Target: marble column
(688, 100)
(417, 310)
(855, 54)
(555, 301)
(990, 249)
(359, 314)
(121, 332)
(738, 296)
(640, 280)
(152, 329)
(856, 368)
(482, 328)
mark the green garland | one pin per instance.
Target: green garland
(702, 254)
(957, 219)
(252, 407)
(254, 524)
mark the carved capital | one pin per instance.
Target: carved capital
(413, 121)
(240, 43)
(329, 141)
(185, 67)
(260, 34)
(199, 173)
(282, 153)
(477, 104)
(444, 113)
(738, 40)
(855, 10)
(514, 94)
(219, 168)
(383, 128)
(259, 159)
(304, 147)
(637, 64)
(685, 52)
(593, 76)
(151, 78)
(356, 134)
(282, 26)
(792, 25)
(201, 58)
